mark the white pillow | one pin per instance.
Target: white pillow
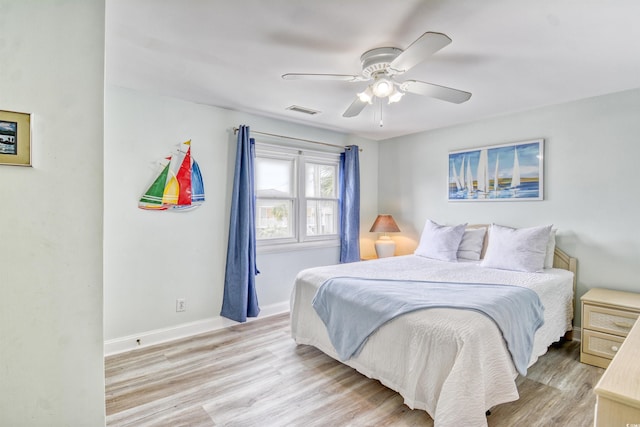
(471, 243)
(440, 241)
(551, 247)
(521, 249)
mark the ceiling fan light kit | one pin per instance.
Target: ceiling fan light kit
(383, 65)
(366, 95)
(382, 87)
(395, 96)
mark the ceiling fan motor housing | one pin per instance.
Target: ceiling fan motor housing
(377, 60)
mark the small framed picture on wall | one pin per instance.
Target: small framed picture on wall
(15, 138)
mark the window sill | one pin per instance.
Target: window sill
(294, 247)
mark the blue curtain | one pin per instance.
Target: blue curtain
(349, 204)
(240, 300)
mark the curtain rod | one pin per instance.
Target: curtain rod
(235, 131)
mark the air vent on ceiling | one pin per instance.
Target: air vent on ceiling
(303, 110)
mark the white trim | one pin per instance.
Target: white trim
(158, 336)
(294, 247)
(298, 198)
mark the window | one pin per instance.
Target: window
(296, 196)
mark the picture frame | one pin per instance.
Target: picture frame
(15, 138)
(506, 172)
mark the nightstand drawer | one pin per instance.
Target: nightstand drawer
(609, 320)
(600, 344)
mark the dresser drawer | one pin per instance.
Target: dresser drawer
(599, 344)
(609, 320)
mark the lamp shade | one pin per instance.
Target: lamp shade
(384, 224)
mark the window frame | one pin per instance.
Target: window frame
(300, 158)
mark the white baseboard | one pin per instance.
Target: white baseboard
(158, 336)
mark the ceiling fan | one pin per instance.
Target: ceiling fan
(383, 64)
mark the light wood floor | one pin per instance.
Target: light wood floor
(254, 375)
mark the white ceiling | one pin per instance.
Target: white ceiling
(513, 55)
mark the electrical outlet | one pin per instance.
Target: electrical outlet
(181, 304)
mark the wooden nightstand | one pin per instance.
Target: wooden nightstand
(607, 318)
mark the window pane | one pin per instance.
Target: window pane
(327, 181)
(310, 185)
(320, 180)
(274, 177)
(273, 219)
(322, 217)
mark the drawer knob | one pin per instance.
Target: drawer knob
(623, 324)
(614, 348)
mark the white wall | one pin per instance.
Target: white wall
(591, 160)
(51, 341)
(153, 258)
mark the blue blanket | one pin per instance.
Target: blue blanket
(353, 308)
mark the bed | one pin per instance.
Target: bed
(452, 363)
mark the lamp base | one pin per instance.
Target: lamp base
(385, 247)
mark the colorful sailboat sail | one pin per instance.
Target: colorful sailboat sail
(197, 186)
(178, 185)
(152, 199)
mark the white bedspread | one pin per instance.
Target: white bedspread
(451, 363)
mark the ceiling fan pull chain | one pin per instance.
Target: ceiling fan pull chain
(381, 124)
(375, 109)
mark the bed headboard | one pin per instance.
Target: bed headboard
(565, 262)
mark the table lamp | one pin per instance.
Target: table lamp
(385, 247)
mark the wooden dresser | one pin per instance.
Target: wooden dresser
(618, 391)
(607, 318)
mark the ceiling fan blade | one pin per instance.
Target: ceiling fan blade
(355, 108)
(339, 77)
(435, 91)
(425, 46)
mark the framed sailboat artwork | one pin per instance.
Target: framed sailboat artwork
(178, 184)
(507, 172)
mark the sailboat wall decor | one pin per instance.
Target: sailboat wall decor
(507, 172)
(178, 185)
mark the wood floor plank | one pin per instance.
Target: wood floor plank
(255, 375)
